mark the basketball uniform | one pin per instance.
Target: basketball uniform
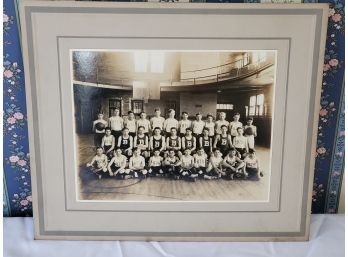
(118, 161)
(131, 125)
(116, 125)
(251, 168)
(186, 165)
(211, 127)
(125, 144)
(157, 122)
(189, 143)
(108, 140)
(207, 145)
(250, 137)
(157, 143)
(135, 163)
(144, 123)
(240, 143)
(222, 144)
(141, 141)
(197, 128)
(218, 125)
(155, 165)
(183, 125)
(171, 169)
(174, 142)
(170, 123)
(201, 162)
(233, 128)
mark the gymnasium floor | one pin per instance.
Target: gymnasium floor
(157, 189)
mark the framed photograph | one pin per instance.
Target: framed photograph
(161, 121)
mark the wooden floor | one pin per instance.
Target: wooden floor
(151, 189)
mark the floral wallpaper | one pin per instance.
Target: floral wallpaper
(331, 132)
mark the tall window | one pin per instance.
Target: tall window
(137, 106)
(256, 105)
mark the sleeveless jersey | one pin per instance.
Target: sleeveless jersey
(174, 142)
(141, 140)
(216, 160)
(211, 127)
(156, 161)
(108, 140)
(137, 161)
(222, 142)
(125, 142)
(197, 126)
(144, 123)
(188, 143)
(206, 144)
(157, 122)
(157, 143)
(230, 160)
(130, 124)
(119, 160)
(186, 161)
(250, 163)
(240, 142)
(172, 160)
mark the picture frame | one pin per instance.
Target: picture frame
(52, 30)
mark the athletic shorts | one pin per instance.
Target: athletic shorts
(252, 173)
(98, 139)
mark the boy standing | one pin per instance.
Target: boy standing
(130, 123)
(250, 132)
(184, 124)
(170, 123)
(143, 122)
(116, 124)
(98, 128)
(108, 143)
(99, 163)
(157, 121)
(210, 125)
(221, 122)
(234, 125)
(197, 126)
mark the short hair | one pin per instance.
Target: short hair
(189, 129)
(157, 109)
(117, 109)
(172, 150)
(215, 149)
(222, 126)
(250, 118)
(232, 149)
(251, 151)
(129, 112)
(222, 113)
(100, 113)
(198, 113)
(173, 128)
(200, 148)
(142, 112)
(236, 114)
(125, 128)
(107, 128)
(239, 128)
(156, 150)
(184, 113)
(157, 128)
(99, 147)
(117, 148)
(205, 128)
(141, 127)
(210, 115)
(171, 110)
(135, 149)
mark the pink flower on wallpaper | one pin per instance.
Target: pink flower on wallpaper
(22, 163)
(331, 12)
(326, 67)
(14, 158)
(333, 62)
(336, 173)
(336, 17)
(321, 150)
(8, 74)
(11, 120)
(29, 198)
(24, 202)
(323, 112)
(5, 18)
(18, 115)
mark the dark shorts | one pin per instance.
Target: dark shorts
(242, 151)
(116, 134)
(252, 173)
(98, 139)
(133, 134)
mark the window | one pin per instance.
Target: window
(114, 104)
(137, 106)
(157, 62)
(224, 106)
(142, 61)
(256, 105)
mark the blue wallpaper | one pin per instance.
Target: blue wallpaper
(330, 143)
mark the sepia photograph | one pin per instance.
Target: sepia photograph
(166, 125)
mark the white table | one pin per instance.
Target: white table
(327, 240)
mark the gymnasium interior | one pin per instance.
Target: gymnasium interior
(208, 82)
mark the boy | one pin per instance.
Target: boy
(206, 142)
(234, 167)
(221, 122)
(118, 163)
(188, 141)
(184, 124)
(215, 165)
(116, 124)
(143, 122)
(125, 142)
(174, 142)
(187, 165)
(240, 143)
(210, 125)
(197, 126)
(250, 132)
(155, 164)
(201, 164)
(157, 141)
(98, 165)
(98, 128)
(130, 123)
(157, 121)
(252, 166)
(141, 141)
(171, 165)
(108, 143)
(223, 141)
(234, 125)
(170, 123)
(137, 164)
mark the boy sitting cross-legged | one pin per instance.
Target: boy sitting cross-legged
(118, 164)
(155, 164)
(200, 166)
(98, 165)
(187, 166)
(215, 164)
(233, 165)
(171, 165)
(137, 164)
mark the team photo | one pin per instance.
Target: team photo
(165, 125)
